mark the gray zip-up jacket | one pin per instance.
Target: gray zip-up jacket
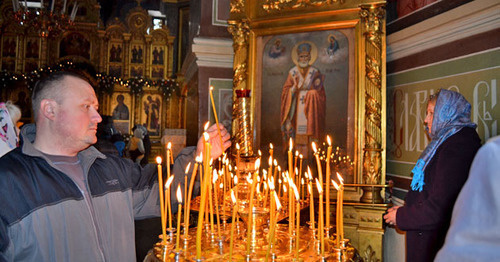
(44, 216)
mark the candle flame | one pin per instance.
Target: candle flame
(199, 158)
(296, 171)
(215, 177)
(314, 147)
(291, 144)
(337, 187)
(275, 162)
(221, 185)
(341, 180)
(302, 181)
(258, 178)
(296, 191)
(284, 188)
(329, 140)
(179, 194)
(301, 156)
(271, 146)
(211, 161)
(270, 182)
(277, 199)
(158, 160)
(318, 185)
(270, 160)
(309, 172)
(233, 197)
(235, 180)
(205, 127)
(169, 182)
(257, 164)
(169, 146)
(259, 152)
(206, 136)
(279, 180)
(211, 88)
(188, 167)
(237, 146)
(249, 178)
(279, 169)
(258, 189)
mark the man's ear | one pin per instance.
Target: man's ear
(48, 108)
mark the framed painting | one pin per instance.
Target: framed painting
(121, 104)
(136, 53)
(115, 52)
(312, 70)
(150, 110)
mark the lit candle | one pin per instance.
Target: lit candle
(210, 201)
(290, 159)
(187, 198)
(311, 205)
(321, 232)
(327, 190)
(214, 179)
(278, 208)
(302, 191)
(169, 207)
(341, 186)
(203, 198)
(162, 204)
(215, 115)
(179, 211)
(337, 215)
(297, 197)
(271, 220)
(290, 206)
(237, 159)
(235, 209)
(250, 210)
(300, 170)
(169, 145)
(275, 163)
(320, 175)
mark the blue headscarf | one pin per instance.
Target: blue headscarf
(451, 114)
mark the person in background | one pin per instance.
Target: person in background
(136, 146)
(10, 114)
(438, 176)
(147, 146)
(105, 131)
(63, 200)
(474, 233)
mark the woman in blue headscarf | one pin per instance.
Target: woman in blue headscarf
(438, 176)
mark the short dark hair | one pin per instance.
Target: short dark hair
(44, 88)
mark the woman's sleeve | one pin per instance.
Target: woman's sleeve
(453, 162)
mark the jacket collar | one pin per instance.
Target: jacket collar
(28, 134)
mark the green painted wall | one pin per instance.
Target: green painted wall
(475, 76)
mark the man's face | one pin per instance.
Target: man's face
(77, 117)
(304, 58)
(429, 117)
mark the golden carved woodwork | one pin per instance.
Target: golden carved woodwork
(277, 5)
(372, 17)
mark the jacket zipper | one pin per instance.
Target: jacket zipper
(94, 221)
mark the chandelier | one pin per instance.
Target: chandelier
(48, 18)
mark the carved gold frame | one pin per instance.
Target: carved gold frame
(251, 19)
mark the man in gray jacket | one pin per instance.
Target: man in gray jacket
(62, 199)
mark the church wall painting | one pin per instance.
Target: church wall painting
(324, 103)
(151, 117)
(121, 106)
